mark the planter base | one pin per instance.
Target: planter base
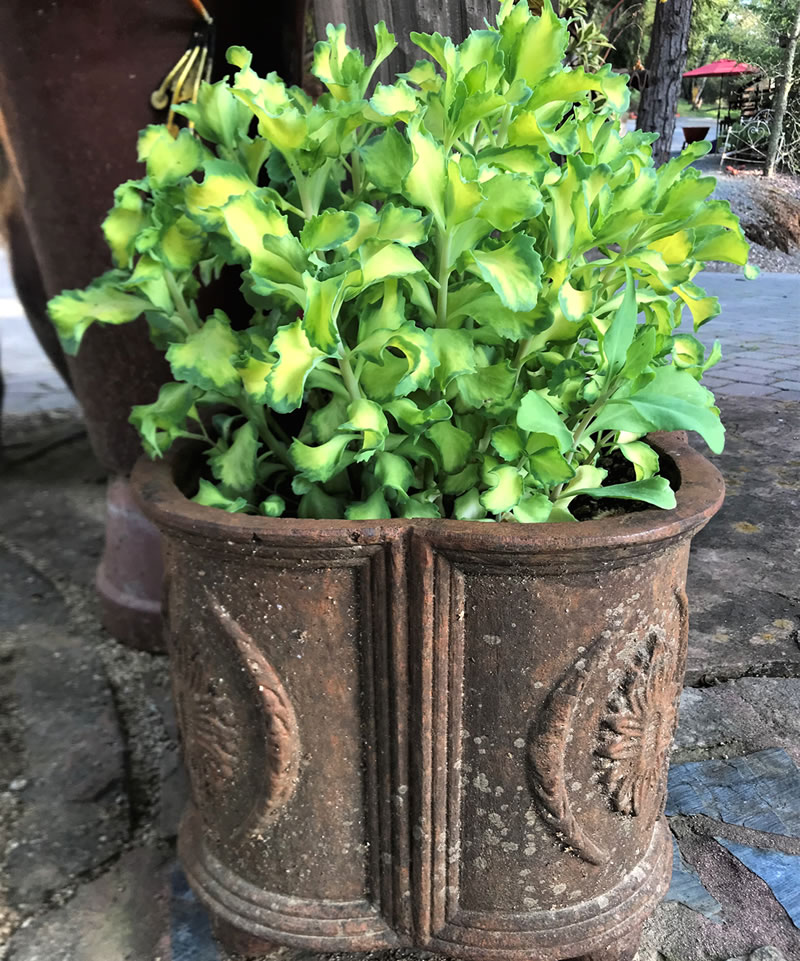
(251, 922)
(129, 577)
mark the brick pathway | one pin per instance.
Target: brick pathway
(759, 330)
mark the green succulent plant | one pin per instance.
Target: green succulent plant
(459, 292)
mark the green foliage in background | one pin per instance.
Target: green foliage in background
(458, 292)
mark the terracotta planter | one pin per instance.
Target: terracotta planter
(445, 735)
(694, 134)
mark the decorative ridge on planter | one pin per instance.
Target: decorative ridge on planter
(446, 735)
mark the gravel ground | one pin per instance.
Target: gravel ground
(751, 198)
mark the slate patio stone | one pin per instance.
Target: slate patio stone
(120, 916)
(766, 953)
(743, 587)
(760, 791)
(780, 871)
(73, 794)
(190, 929)
(687, 888)
(739, 717)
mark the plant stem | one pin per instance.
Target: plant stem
(302, 187)
(276, 428)
(349, 378)
(180, 304)
(445, 249)
(583, 426)
(505, 123)
(357, 171)
(257, 415)
(581, 430)
(522, 350)
(602, 440)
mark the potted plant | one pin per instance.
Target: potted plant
(420, 703)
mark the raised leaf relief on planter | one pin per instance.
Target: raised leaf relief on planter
(548, 739)
(211, 741)
(218, 749)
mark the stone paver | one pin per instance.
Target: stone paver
(122, 916)
(739, 717)
(744, 588)
(759, 330)
(73, 795)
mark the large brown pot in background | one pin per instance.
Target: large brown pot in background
(75, 85)
(446, 735)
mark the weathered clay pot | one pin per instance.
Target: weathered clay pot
(129, 577)
(445, 735)
(100, 63)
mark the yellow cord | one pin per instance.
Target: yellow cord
(171, 125)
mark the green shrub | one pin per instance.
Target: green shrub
(458, 292)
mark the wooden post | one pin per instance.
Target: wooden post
(451, 18)
(666, 60)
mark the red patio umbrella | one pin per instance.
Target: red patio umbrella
(721, 68)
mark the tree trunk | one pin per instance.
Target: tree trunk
(452, 18)
(782, 98)
(666, 60)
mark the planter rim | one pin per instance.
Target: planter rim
(699, 497)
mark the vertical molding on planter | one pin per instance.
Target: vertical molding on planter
(421, 632)
(385, 715)
(393, 674)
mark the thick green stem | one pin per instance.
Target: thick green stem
(180, 304)
(584, 425)
(505, 123)
(522, 352)
(276, 428)
(357, 173)
(302, 187)
(581, 429)
(445, 250)
(602, 440)
(349, 378)
(257, 415)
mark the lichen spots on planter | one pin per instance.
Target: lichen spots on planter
(481, 782)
